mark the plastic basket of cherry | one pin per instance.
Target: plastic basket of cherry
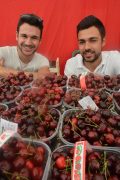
(92, 81)
(112, 83)
(99, 128)
(19, 79)
(101, 98)
(35, 122)
(50, 81)
(24, 159)
(9, 93)
(40, 96)
(100, 164)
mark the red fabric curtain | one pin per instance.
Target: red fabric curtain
(60, 20)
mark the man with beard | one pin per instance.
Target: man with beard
(91, 40)
(24, 57)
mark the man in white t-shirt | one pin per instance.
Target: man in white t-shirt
(24, 57)
(91, 40)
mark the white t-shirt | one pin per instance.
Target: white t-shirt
(12, 60)
(110, 65)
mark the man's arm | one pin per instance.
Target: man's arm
(41, 73)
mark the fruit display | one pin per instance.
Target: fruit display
(9, 93)
(96, 82)
(41, 95)
(51, 80)
(20, 79)
(24, 160)
(101, 98)
(101, 164)
(35, 122)
(100, 128)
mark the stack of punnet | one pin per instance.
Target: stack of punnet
(85, 163)
(23, 159)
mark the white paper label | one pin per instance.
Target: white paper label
(5, 136)
(87, 102)
(7, 125)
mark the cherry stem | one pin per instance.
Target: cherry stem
(74, 126)
(92, 122)
(17, 177)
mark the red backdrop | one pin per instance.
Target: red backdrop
(60, 20)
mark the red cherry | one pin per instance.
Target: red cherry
(29, 164)
(37, 173)
(74, 121)
(60, 162)
(40, 150)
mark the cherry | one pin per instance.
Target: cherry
(98, 177)
(37, 173)
(5, 165)
(29, 164)
(38, 158)
(94, 165)
(55, 173)
(109, 138)
(18, 163)
(60, 162)
(8, 153)
(24, 172)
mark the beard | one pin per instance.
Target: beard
(91, 59)
(22, 46)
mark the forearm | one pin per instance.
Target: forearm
(41, 73)
(4, 71)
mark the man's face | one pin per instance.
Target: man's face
(28, 39)
(90, 44)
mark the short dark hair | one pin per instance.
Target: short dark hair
(90, 21)
(31, 19)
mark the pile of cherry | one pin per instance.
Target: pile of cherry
(100, 127)
(101, 98)
(52, 80)
(96, 82)
(23, 161)
(11, 86)
(20, 79)
(100, 164)
(41, 95)
(36, 122)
